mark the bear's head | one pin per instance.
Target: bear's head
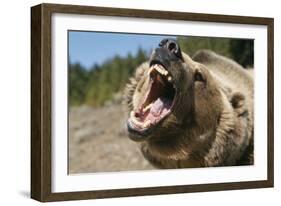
(174, 98)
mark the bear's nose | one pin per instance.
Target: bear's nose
(172, 46)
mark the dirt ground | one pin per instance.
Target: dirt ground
(98, 141)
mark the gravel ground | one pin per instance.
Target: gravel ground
(98, 141)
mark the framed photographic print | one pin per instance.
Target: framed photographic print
(130, 102)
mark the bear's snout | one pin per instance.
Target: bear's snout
(167, 52)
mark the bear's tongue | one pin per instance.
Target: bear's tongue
(158, 110)
(157, 107)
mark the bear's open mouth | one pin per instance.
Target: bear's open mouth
(158, 102)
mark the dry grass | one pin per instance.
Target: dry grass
(98, 141)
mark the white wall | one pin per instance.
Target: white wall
(15, 101)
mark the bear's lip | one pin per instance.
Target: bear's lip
(157, 105)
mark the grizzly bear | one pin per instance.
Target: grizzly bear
(191, 112)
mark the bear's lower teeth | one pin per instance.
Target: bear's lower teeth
(139, 123)
(147, 123)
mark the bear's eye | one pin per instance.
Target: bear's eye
(198, 77)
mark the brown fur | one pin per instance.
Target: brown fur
(212, 123)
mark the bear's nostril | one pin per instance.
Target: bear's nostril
(172, 46)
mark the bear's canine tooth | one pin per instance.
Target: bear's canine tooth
(150, 69)
(147, 123)
(169, 79)
(147, 107)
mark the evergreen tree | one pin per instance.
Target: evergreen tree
(78, 78)
(241, 50)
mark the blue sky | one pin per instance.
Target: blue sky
(91, 48)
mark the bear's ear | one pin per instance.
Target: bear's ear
(237, 101)
(199, 75)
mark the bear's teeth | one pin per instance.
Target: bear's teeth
(147, 123)
(135, 121)
(169, 79)
(147, 107)
(164, 71)
(140, 124)
(150, 70)
(161, 69)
